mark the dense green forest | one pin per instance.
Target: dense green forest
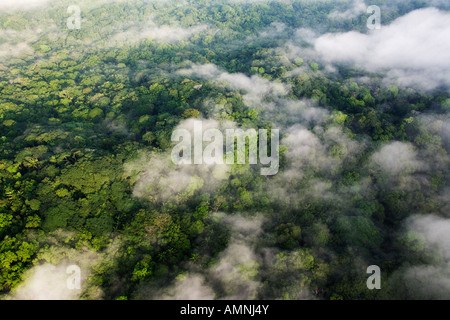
(87, 114)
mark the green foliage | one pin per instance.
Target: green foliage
(57, 217)
(100, 225)
(314, 66)
(413, 241)
(289, 235)
(80, 106)
(358, 231)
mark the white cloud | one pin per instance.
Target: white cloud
(321, 149)
(356, 7)
(396, 158)
(236, 269)
(188, 287)
(7, 50)
(429, 281)
(255, 87)
(49, 281)
(151, 31)
(21, 4)
(159, 179)
(414, 49)
(436, 231)
(305, 34)
(17, 43)
(437, 125)
(46, 282)
(273, 30)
